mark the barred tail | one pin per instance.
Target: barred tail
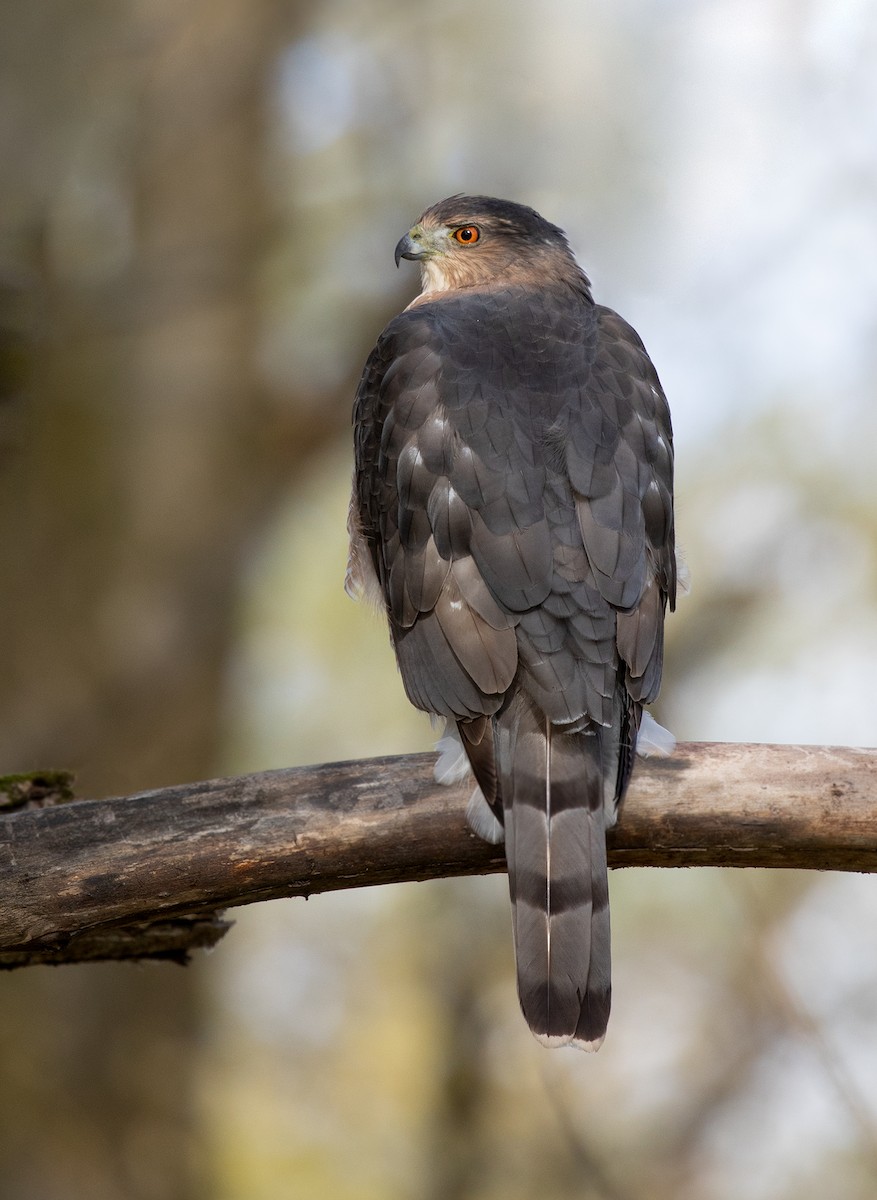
(551, 784)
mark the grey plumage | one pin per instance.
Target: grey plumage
(513, 498)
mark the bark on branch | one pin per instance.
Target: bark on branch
(147, 875)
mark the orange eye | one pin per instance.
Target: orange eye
(467, 236)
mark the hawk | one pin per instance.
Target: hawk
(512, 511)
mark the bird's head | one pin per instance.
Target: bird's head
(471, 241)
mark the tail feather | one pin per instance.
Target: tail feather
(551, 785)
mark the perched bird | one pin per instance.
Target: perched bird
(513, 511)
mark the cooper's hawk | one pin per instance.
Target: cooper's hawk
(513, 508)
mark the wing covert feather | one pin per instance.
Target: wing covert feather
(518, 504)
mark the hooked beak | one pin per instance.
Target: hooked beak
(409, 247)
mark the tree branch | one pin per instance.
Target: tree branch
(145, 875)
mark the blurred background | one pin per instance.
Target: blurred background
(199, 202)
